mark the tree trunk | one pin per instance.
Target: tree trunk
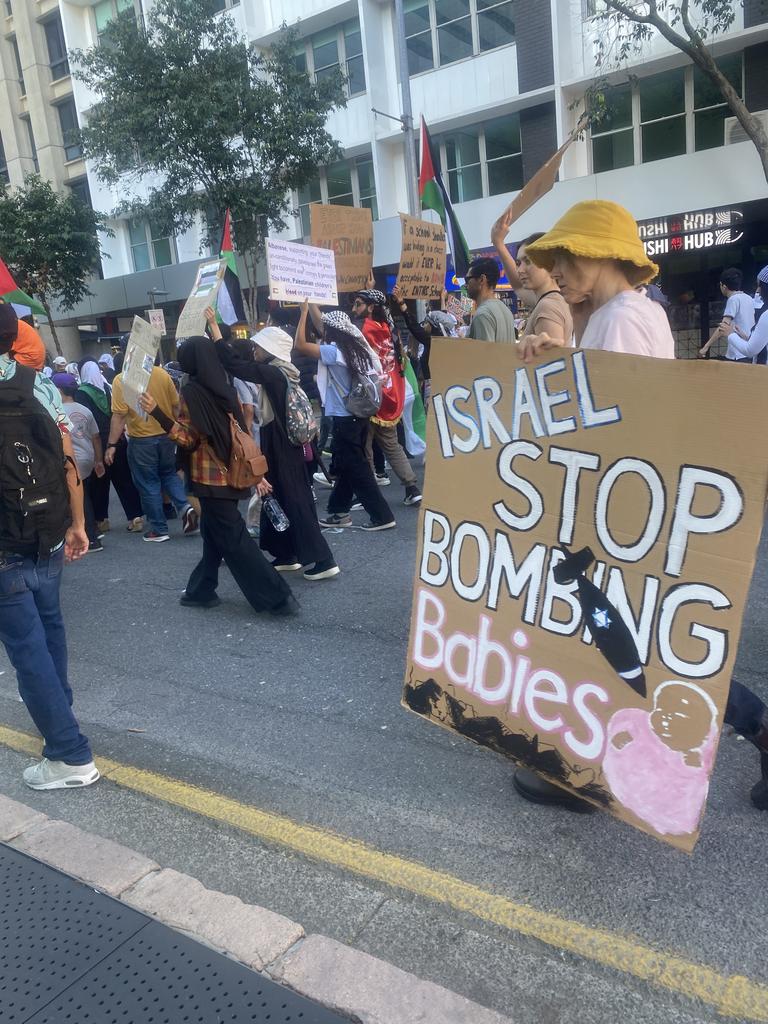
(54, 335)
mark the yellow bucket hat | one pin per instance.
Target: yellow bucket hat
(598, 230)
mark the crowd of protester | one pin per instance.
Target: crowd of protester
(323, 395)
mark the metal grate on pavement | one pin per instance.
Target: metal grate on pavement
(72, 955)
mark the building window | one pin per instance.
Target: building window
(149, 247)
(709, 108)
(57, 48)
(32, 146)
(105, 12)
(346, 183)
(339, 48)
(613, 143)
(8, 9)
(5, 177)
(664, 115)
(81, 191)
(440, 32)
(70, 130)
(17, 59)
(483, 161)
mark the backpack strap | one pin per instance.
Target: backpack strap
(27, 378)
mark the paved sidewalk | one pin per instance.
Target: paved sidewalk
(139, 944)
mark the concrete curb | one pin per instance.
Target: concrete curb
(368, 990)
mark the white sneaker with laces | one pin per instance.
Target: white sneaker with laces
(58, 775)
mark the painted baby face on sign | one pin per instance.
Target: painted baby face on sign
(683, 715)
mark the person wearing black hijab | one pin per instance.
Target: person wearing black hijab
(202, 430)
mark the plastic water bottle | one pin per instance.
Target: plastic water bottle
(275, 513)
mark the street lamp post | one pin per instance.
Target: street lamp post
(407, 117)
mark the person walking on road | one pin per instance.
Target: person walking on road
(89, 456)
(151, 455)
(370, 309)
(203, 427)
(346, 357)
(33, 549)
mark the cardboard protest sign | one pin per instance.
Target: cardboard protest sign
(587, 538)
(348, 232)
(156, 318)
(207, 283)
(422, 259)
(298, 272)
(140, 354)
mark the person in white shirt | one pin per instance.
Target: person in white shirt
(738, 317)
(747, 345)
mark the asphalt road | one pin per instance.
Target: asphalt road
(303, 717)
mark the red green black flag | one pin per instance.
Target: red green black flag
(230, 299)
(434, 196)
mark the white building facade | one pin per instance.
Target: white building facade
(498, 82)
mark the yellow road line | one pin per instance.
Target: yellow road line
(731, 996)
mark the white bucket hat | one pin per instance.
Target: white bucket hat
(275, 341)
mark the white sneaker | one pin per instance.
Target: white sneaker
(382, 480)
(320, 480)
(58, 775)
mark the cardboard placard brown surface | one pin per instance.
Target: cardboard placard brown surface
(421, 274)
(348, 232)
(607, 673)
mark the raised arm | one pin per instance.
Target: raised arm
(499, 232)
(300, 343)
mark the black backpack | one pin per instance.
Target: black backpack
(34, 498)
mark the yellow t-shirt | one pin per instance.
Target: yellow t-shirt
(161, 388)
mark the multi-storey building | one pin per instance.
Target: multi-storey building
(498, 82)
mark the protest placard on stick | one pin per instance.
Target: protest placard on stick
(298, 272)
(584, 558)
(140, 354)
(348, 232)
(421, 274)
(207, 283)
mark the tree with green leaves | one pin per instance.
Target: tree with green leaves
(689, 27)
(50, 244)
(191, 119)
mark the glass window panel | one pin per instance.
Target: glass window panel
(663, 138)
(454, 41)
(103, 13)
(33, 147)
(57, 50)
(496, 27)
(662, 95)
(353, 41)
(140, 256)
(416, 16)
(69, 130)
(505, 175)
(710, 127)
(310, 193)
(612, 151)
(81, 190)
(706, 93)
(125, 5)
(618, 109)
(339, 181)
(17, 58)
(449, 10)
(356, 76)
(461, 149)
(371, 204)
(502, 136)
(137, 232)
(420, 57)
(163, 252)
(325, 73)
(465, 184)
(365, 178)
(4, 176)
(306, 227)
(325, 53)
(300, 60)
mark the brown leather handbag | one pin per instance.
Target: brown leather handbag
(247, 466)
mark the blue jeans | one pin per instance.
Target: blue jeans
(153, 468)
(32, 630)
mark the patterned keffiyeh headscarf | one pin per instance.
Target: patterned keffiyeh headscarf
(341, 322)
(376, 298)
(443, 322)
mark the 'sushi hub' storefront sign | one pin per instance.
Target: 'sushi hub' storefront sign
(691, 232)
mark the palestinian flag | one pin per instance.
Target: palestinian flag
(229, 303)
(434, 196)
(414, 417)
(23, 304)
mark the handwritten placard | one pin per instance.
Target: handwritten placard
(348, 232)
(422, 259)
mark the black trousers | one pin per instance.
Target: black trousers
(225, 537)
(119, 476)
(354, 473)
(88, 512)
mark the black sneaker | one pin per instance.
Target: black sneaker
(190, 521)
(290, 606)
(412, 495)
(95, 545)
(532, 787)
(322, 570)
(374, 527)
(188, 602)
(336, 519)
